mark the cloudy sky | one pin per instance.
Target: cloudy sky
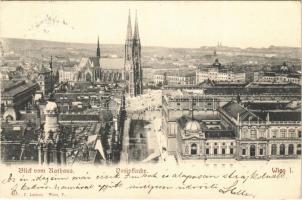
(171, 24)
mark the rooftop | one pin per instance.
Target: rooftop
(12, 88)
(234, 109)
(280, 115)
(180, 73)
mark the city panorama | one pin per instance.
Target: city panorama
(136, 87)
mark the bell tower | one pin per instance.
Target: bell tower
(132, 66)
(51, 141)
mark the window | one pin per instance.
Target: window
(243, 152)
(291, 133)
(252, 150)
(261, 152)
(207, 151)
(231, 151)
(253, 134)
(274, 133)
(282, 149)
(282, 133)
(207, 143)
(274, 149)
(262, 133)
(215, 151)
(215, 143)
(178, 104)
(299, 134)
(290, 149)
(232, 143)
(223, 151)
(299, 149)
(193, 149)
(223, 143)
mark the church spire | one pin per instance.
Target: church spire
(136, 32)
(129, 28)
(98, 51)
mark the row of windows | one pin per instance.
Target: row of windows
(223, 143)
(253, 151)
(253, 134)
(215, 150)
(223, 151)
(282, 149)
(274, 150)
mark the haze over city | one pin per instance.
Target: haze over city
(170, 24)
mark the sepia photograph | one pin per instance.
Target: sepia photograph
(150, 99)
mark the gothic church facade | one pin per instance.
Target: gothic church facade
(133, 73)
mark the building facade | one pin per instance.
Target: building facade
(133, 73)
(176, 106)
(231, 131)
(175, 78)
(218, 73)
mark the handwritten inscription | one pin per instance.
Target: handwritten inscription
(59, 182)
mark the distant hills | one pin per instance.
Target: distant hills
(42, 46)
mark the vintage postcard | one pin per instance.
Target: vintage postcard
(150, 99)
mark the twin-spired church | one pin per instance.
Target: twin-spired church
(91, 70)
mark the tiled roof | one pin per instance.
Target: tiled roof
(233, 109)
(13, 88)
(265, 106)
(112, 63)
(95, 61)
(78, 117)
(281, 116)
(220, 134)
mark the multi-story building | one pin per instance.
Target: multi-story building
(175, 106)
(218, 73)
(201, 137)
(176, 77)
(230, 131)
(267, 134)
(66, 74)
(277, 77)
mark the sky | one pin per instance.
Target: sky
(169, 24)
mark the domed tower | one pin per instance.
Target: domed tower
(193, 128)
(51, 144)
